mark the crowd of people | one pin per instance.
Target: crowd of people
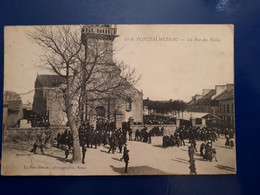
(64, 139)
(38, 121)
(104, 124)
(92, 137)
(106, 134)
(158, 120)
(229, 135)
(89, 137)
(192, 134)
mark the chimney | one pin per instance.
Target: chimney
(219, 90)
(230, 87)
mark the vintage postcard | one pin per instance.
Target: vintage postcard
(118, 100)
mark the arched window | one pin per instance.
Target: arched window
(128, 104)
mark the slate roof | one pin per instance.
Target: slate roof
(210, 93)
(227, 96)
(219, 95)
(14, 104)
(48, 81)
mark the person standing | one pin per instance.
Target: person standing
(58, 140)
(84, 149)
(231, 143)
(202, 149)
(124, 151)
(194, 144)
(112, 144)
(41, 144)
(227, 141)
(126, 159)
(149, 138)
(182, 138)
(67, 151)
(34, 147)
(137, 135)
(130, 134)
(120, 143)
(192, 160)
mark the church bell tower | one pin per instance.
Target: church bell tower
(108, 32)
(100, 37)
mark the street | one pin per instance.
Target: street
(145, 159)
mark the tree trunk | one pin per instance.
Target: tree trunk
(76, 147)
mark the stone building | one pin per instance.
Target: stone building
(227, 108)
(98, 107)
(5, 115)
(218, 102)
(13, 112)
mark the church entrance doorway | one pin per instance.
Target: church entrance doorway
(100, 117)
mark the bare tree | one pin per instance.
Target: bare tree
(87, 70)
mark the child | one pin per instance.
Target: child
(214, 154)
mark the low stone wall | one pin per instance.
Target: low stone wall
(30, 134)
(168, 129)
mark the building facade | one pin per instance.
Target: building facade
(47, 102)
(227, 109)
(218, 102)
(13, 112)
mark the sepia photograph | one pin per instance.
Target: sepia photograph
(119, 100)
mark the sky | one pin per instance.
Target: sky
(174, 61)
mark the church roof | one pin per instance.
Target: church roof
(48, 81)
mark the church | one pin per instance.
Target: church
(98, 108)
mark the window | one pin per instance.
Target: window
(224, 108)
(198, 121)
(228, 108)
(128, 104)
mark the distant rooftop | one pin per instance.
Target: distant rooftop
(14, 104)
(48, 81)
